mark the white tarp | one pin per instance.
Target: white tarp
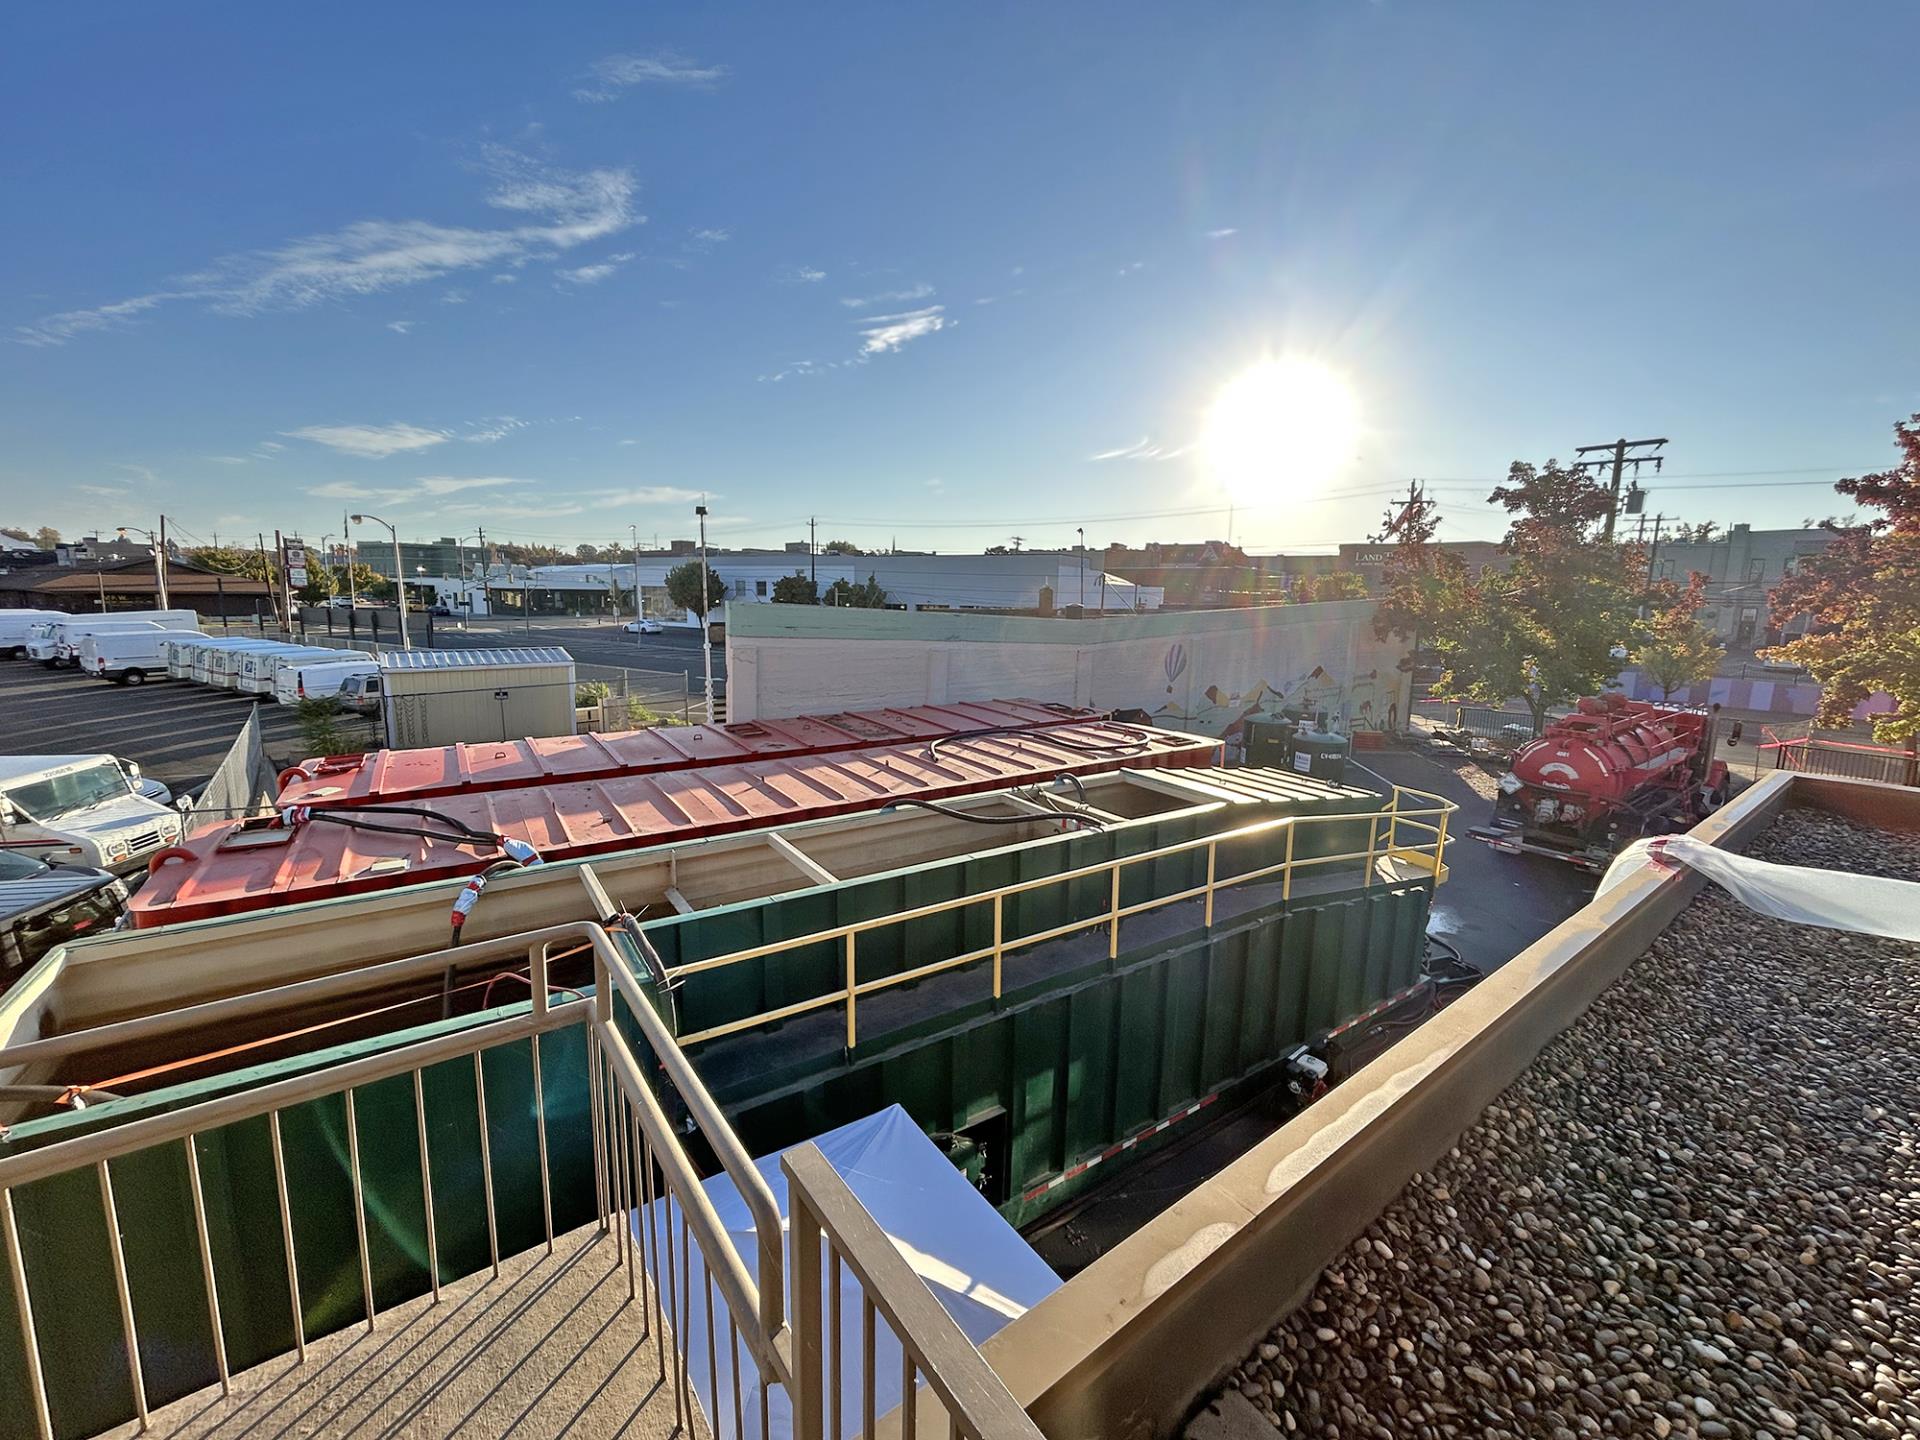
(1832, 899)
(975, 1263)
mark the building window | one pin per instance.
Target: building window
(760, 589)
(1756, 569)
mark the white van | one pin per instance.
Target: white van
(260, 669)
(13, 631)
(299, 680)
(81, 810)
(129, 657)
(203, 655)
(47, 640)
(60, 644)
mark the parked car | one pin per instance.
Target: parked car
(645, 625)
(361, 693)
(83, 810)
(42, 906)
(13, 631)
(442, 609)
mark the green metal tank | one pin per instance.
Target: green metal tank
(1322, 754)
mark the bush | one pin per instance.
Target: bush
(588, 693)
(320, 727)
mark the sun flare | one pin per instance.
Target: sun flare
(1285, 426)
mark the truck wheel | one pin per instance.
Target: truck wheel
(134, 677)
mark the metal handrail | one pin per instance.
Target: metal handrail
(932, 1344)
(610, 973)
(99, 1148)
(845, 934)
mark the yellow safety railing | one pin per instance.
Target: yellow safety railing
(1415, 810)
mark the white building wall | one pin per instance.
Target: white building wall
(1201, 671)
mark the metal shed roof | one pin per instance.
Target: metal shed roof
(474, 659)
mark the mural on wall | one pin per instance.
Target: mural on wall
(1365, 700)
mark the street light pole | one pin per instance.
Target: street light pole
(706, 607)
(399, 575)
(1081, 531)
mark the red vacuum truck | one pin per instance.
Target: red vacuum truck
(1612, 771)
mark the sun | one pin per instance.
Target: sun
(1285, 426)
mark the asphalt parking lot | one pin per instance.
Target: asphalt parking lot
(601, 644)
(177, 732)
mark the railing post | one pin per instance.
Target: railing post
(999, 938)
(1373, 841)
(1286, 874)
(852, 987)
(803, 1229)
(1440, 846)
(1213, 857)
(1113, 923)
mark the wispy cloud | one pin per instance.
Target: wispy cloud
(506, 277)
(105, 492)
(560, 211)
(642, 495)
(607, 78)
(497, 427)
(1145, 448)
(427, 487)
(370, 442)
(270, 445)
(707, 238)
(542, 509)
(1223, 233)
(401, 327)
(936, 483)
(885, 334)
(888, 297)
(629, 442)
(227, 459)
(594, 274)
(799, 275)
(1133, 268)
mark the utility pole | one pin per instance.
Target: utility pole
(706, 608)
(1654, 548)
(160, 563)
(1618, 456)
(633, 532)
(266, 570)
(353, 588)
(813, 557)
(1081, 531)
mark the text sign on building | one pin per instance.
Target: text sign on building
(296, 562)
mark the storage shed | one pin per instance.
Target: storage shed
(445, 697)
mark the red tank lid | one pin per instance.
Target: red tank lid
(252, 865)
(389, 777)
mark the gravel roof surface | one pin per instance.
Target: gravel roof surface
(1697, 1213)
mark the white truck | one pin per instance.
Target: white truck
(81, 810)
(260, 669)
(13, 631)
(55, 642)
(298, 680)
(129, 657)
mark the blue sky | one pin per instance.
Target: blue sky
(558, 270)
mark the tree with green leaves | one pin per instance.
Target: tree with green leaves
(46, 537)
(841, 547)
(868, 595)
(232, 560)
(1338, 585)
(16, 532)
(1678, 649)
(1545, 629)
(1863, 592)
(683, 588)
(795, 589)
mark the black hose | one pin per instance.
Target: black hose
(950, 812)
